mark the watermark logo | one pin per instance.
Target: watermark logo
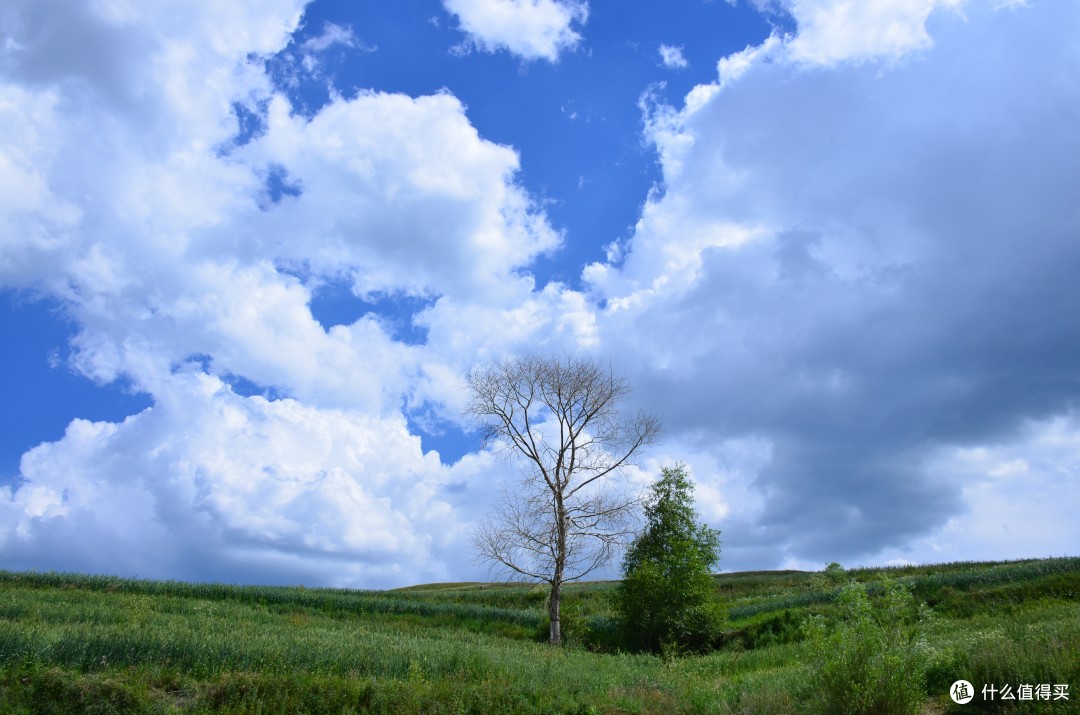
(962, 692)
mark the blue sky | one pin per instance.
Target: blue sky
(249, 252)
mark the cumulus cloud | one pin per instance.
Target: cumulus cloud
(403, 191)
(187, 253)
(859, 267)
(532, 29)
(207, 483)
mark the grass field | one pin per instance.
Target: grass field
(74, 644)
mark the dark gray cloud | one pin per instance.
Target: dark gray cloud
(912, 285)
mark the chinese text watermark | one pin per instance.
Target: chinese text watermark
(963, 692)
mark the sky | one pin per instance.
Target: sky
(249, 252)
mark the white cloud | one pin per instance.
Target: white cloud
(832, 31)
(731, 67)
(673, 57)
(332, 34)
(404, 192)
(130, 202)
(205, 481)
(533, 29)
(552, 320)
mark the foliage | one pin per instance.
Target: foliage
(871, 657)
(766, 630)
(667, 600)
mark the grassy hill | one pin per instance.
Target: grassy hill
(71, 643)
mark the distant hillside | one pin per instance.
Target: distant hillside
(74, 643)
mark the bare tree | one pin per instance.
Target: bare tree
(560, 419)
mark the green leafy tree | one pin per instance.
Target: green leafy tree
(667, 600)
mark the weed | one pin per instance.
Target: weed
(871, 658)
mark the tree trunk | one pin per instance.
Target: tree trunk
(555, 600)
(555, 629)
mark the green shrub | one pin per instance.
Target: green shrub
(870, 658)
(775, 629)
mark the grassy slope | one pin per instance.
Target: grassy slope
(99, 644)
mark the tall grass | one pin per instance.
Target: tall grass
(931, 583)
(100, 644)
(328, 600)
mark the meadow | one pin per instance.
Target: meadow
(95, 644)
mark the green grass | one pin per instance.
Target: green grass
(93, 644)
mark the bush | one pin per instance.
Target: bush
(869, 658)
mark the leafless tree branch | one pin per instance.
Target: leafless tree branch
(559, 417)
